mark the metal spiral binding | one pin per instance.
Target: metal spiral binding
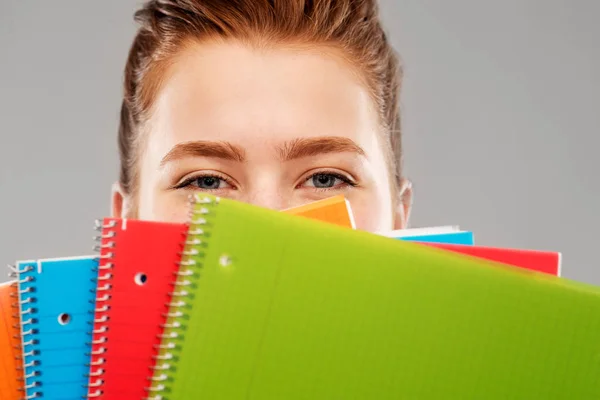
(101, 306)
(24, 312)
(187, 268)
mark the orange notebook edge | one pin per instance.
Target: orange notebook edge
(336, 210)
(11, 370)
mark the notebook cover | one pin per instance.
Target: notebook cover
(434, 234)
(139, 261)
(429, 230)
(11, 374)
(335, 210)
(548, 262)
(463, 238)
(57, 303)
(291, 308)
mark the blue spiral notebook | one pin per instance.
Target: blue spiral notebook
(57, 300)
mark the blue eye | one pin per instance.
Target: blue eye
(324, 181)
(208, 182)
(205, 182)
(327, 180)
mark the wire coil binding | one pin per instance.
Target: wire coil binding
(189, 266)
(106, 242)
(24, 317)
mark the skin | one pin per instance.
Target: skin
(276, 127)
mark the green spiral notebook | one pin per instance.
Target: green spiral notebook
(270, 306)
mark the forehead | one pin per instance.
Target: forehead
(256, 96)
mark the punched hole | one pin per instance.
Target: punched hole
(64, 319)
(225, 260)
(141, 279)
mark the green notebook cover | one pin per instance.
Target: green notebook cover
(272, 306)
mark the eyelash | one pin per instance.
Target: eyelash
(186, 184)
(347, 181)
(189, 181)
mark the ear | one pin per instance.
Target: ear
(403, 204)
(121, 204)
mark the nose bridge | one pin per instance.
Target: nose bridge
(266, 197)
(265, 190)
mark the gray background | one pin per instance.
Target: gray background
(500, 106)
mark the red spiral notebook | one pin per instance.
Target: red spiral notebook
(139, 262)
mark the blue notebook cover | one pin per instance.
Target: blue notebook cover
(57, 298)
(436, 234)
(464, 238)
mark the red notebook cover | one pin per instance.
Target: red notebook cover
(542, 261)
(137, 267)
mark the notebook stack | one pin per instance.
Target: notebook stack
(243, 302)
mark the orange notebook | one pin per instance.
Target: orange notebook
(11, 372)
(139, 262)
(335, 210)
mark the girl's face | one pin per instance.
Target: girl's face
(276, 127)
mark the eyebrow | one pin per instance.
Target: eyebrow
(294, 149)
(307, 147)
(205, 148)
